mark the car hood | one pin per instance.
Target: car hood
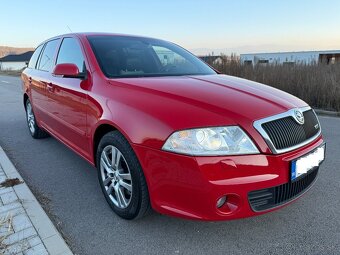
(206, 99)
(152, 108)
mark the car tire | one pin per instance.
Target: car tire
(121, 177)
(35, 131)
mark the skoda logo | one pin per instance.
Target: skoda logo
(299, 117)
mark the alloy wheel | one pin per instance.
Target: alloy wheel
(116, 176)
(30, 117)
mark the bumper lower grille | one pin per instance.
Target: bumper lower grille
(265, 199)
(286, 132)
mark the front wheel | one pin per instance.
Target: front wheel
(121, 177)
(35, 131)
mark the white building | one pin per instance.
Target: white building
(15, 62)
(301, 57)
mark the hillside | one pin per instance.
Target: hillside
(5, 50)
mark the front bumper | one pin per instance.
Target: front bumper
(190, 187)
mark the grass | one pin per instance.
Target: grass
(317, 84)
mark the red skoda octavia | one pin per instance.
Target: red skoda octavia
(168, 132)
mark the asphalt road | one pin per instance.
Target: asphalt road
(68, 187)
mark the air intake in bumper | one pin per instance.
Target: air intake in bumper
(265, 199)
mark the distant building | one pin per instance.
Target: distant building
(15, 62)
(291, 58)
(215, 60)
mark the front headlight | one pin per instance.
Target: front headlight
(230, 140)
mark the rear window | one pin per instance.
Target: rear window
(128, 56)
(33, 61)
(46, 62)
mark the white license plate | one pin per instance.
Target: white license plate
(306, 163)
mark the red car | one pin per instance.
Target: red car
(168, 132)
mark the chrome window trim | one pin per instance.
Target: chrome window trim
(258, 126)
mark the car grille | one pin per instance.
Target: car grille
(286, 132)
(265, 199)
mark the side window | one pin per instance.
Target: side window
(47, 57)
(33, 61)
(70, 52)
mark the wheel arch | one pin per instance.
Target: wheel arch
(102, 129)
(25, 98)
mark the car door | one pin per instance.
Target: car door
(68, 98)
(39, 78)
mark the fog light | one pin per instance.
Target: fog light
(228, 204)
(221, 201)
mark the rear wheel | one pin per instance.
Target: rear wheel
(121, 177)
(35, 131)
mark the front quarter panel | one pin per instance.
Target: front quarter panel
(110, 105)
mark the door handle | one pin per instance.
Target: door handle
(49, 87)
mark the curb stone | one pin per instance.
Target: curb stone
(20, 197)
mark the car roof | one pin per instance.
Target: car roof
(85, 34)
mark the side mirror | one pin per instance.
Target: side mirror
(68, 70)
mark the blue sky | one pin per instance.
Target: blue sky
(221, 25)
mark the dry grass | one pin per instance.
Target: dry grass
(318, 85)
(6, 230)
(10, 182)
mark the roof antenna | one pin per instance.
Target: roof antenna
(69, 28)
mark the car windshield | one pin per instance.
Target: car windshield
(126, 56)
